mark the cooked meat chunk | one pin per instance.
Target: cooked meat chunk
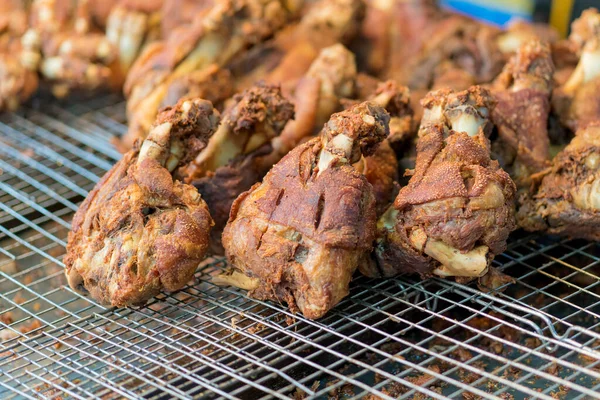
(522, 92)
(299, 235)
(18, 65)
(330, 78)
(577, 102)
(520, 32)
(381, 168)
(287, 58)
(457, 210)
(72, 55)
(131, 26)
(213, 84)
(141, 231)
(231, 163)
(465, 43)
(214, 38)
(566, 200)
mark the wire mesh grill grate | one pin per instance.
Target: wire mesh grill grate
(398, 338)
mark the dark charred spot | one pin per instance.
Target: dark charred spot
(320, 207)
(301, 254)
(146, 212)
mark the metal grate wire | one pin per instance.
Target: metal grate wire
(398, 338)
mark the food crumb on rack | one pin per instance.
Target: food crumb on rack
(9, 267)
(32, 326)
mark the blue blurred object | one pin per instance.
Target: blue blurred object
(493, 11)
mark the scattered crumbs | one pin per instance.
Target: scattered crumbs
(560, 393)
(9, 267)
(496, 347)
(533, 342)
(6, 318)
(28, 152)
(7, 334)
(298, 394)
(18, 298)
(470, 396)
(256, 328)
(33, 325)
(553, 369)
(463, 354)
(421, 380)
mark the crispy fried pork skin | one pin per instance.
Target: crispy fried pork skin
(457, 210)
(566, 200)
(140, 231)
(214, 38)
(299, 235)
(576, 102)
(522, 92)
(232, 161)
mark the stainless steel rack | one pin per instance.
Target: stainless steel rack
(400, 338)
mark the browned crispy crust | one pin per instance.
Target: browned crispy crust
(263, 107)
(467, 44)
(18, 78)
(140, 231)
(457, 195)
(554, 207)
(213, 84)
(235, 24)
(381, 170)
(522, 110)
(220, 189)
(176, 13)
(303, 232)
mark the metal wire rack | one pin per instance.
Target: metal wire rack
(396, 338)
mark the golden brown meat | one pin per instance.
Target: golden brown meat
(141, 231)
(566, 199)
(72, 56)
(212, 83)
(520, 32)
(577, 102)
(457, 210)
(299, 235)
(330, 78)
(18, 65)
(464, 43)
(176, 13)
(131, 26)
(100, 10)
(231, 163)
(411, 24)
(288, 57)
(381, 168)
(522, 92)
(214, 39)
